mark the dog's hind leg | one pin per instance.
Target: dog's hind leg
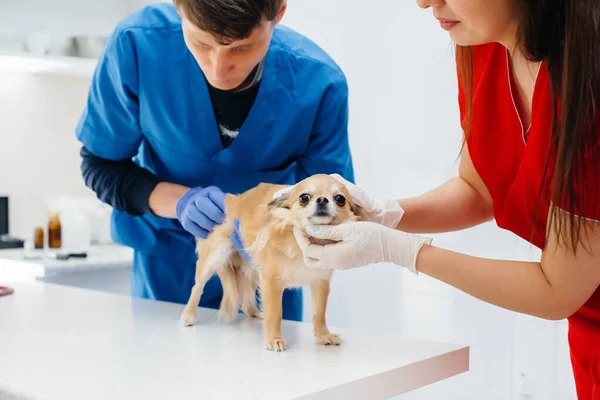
(203, 274)
(213, 255)
(248, 285)
(230, 302)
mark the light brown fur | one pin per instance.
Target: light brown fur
(267, 231)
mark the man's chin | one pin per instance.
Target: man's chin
(225, 85)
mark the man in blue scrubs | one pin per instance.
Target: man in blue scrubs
(193, 100)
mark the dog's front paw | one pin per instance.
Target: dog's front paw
(187, 320)
(329, 339)
(277, 344)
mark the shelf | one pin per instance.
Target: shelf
(16, 61)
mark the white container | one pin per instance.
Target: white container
(88, 46)
(38, 42)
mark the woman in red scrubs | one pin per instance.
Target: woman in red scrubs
(529, 92)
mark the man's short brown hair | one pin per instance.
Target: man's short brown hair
(228, 20)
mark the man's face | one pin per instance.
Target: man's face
(227, 66)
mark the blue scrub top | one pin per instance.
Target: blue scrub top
(149, 101)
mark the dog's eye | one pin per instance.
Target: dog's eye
(304, 199)
(340, 200)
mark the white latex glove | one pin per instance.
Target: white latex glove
(387, 213)
(360, 244)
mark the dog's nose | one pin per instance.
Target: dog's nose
(322, 200)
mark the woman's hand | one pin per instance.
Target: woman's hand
(387, 213)
(359, 244)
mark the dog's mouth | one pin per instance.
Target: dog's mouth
(321, 213)
(320, 217)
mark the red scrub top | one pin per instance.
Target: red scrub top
(510, 160)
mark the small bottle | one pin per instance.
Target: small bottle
(54, 231)
(28, 249)
(38, 238)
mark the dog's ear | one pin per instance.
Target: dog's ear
(358, 212)
(281, 207)
(282, 201)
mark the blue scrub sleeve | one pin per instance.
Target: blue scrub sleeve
(328, 150)
(109, 126)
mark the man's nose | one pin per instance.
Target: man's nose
(430, 3)
(221, 65)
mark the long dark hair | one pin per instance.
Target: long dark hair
(565, 34)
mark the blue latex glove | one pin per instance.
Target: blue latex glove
(200, 209)
(238, 242)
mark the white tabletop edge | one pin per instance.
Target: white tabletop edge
(379, 386)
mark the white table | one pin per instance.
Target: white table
(106, 268)
(68, 343)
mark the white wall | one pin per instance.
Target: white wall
(404, 135)
(403, 92)
(39, 155)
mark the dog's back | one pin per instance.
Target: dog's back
(250, 206)
(251, 203)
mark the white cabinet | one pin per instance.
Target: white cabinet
(34, 34)
(21, 61)
(106, 268)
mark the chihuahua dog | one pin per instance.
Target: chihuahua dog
(266, 226)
